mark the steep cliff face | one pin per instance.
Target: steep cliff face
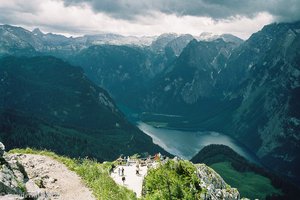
(191, 81)
(124, 71)
(268, 118)
(178, 44)
(11, 43)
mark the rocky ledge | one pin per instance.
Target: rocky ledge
(37, 177)
(12, 176)
(215, 186)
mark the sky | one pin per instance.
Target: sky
(148, 17)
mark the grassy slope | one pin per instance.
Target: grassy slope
(257, 186)
(95, 175)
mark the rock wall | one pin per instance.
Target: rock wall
(12, 176)
(215, 186)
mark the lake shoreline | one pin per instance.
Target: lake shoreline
(187, 144)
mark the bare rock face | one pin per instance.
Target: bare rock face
(14, 181)
(214, 184)
(2, 149)
(12, 176)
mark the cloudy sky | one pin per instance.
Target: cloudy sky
(148, 17)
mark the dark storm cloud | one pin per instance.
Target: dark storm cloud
(282, 10)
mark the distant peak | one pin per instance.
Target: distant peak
(164, 35)
(37, 31)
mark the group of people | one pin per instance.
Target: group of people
(138, 162)
(126, 160)
(121, 171)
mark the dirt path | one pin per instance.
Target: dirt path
(132, 180)
(54, 179)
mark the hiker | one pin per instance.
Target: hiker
(137, 169)
(122, 171)
(128, 161)
(119, 171)
(123, 179)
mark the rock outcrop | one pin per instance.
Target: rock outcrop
(215, 186)
(181, 179)
(12, 176)
(2, 149)
(36, 177)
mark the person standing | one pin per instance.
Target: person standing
(119, 171)
(122, 171)
(128, 161)
(137, 169)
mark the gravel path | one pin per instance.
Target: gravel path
(133, 181)
(55, 180)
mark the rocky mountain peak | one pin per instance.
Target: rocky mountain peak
(37, 32)
(208, 36)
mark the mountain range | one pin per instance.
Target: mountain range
(250, 91)
(246, 89)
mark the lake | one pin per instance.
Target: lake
(186, 144)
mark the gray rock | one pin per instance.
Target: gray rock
(11, 197)
(2, 149)
(12, 175)
(32, 188)
(52, 180)
(215, 185)
(9, 184)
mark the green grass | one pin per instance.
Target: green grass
(173, 180)
(95, 175)
(249, 184)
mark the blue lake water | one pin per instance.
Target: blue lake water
(186, 144)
